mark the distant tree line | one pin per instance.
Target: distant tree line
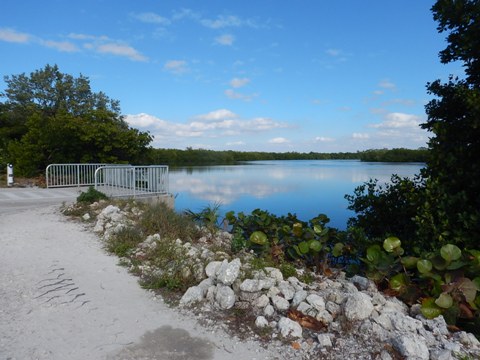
(190, 157)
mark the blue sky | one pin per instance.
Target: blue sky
(265, 75)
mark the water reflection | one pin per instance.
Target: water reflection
(306, 188)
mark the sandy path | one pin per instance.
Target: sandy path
(62, 297)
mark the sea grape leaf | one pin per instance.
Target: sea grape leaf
(315, 245)
(410, 262)
(398, 282)
(338, 249)
(373, 253)
(424, 266)
(391, 243)
(429, 309)
(450, 252)
(445, 300)
(476, 281)
(297, 229)
(468, 288)
(303, 247)
(454, 265)
(439, 263)
(259, 237)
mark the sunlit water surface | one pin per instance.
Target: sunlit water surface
(302, 187)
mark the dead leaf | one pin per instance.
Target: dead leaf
(296, 345)
(306, 321)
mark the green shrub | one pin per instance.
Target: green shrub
(123, 241)
(91, 195)
(175, 269)
(285, 237)
(445, 281)
(159, 218)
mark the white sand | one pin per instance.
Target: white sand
(62, 297)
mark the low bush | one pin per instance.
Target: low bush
(91, 195)
(123, 241)
(159, 218)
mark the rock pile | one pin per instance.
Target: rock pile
(329, 318)
(345, 308)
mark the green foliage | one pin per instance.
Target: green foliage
(50, 117)
(174, 269)
(123, 241)
(285, 236)
(91, 195)
(443, 205)
(451, 212)
(189, 156)
(389, 209)
(208, 217)
(159, 218)
(395, 155)
(447, 280)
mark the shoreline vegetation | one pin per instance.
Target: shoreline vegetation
(192, 157)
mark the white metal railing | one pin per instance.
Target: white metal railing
(63, 175)
(132, 181)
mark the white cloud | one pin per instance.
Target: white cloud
(142, 120)
(101, 44)
(324, 139)
(231, 94)
(361, 136)
(387, 84)
(399, 120)
(176, 66)
(222, 22)
(279, 140)
(11, 35)
(152, 18)
(64, 46)
(217, 115)
(215, 124)
(239, 82)
(88, 37)
(235, 143)
(121, 50)
(333, 52)
(225, 39)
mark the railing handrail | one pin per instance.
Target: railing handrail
(132, 181)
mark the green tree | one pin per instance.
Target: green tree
(445, 206)
(451, 212)
(51, 117)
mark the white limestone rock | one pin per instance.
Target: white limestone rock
(358, 306)
(261, 301)
(287, 290)
(211, 269)
(316, 301)
(324, 340)
(261, 322)
(193, 295)
(299, 296)
(411, 348)
(269, 311)
(228, 272)
(225, 297)
(280, 303)
(251, 285)
(289, 328)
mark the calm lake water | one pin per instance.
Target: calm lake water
(302, 187)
